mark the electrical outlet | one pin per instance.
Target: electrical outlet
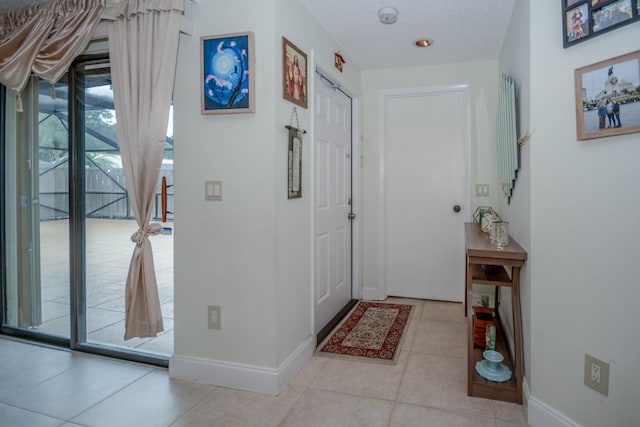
(596, 374)
(213, 317)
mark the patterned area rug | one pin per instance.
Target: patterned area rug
(373, 331)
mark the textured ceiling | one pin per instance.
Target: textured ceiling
(461, 30)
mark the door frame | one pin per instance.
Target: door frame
(316, 64)
(383, 96)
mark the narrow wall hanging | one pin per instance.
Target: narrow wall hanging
(295, 157)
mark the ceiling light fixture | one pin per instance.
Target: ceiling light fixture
(388, 15)
(423, 43)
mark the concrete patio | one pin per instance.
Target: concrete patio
(108, 252)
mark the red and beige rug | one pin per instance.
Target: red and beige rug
(373, 331)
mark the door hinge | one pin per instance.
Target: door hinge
(351, 216)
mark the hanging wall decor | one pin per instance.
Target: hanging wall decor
(608, 97)
(294, 74)
(582, 20)
(506, 135)
(294, 183)
(228, 74)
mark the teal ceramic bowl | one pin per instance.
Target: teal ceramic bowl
(493, 358)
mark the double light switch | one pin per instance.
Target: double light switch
(213, 191)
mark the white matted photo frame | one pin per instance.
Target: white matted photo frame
(294, 74)
(608, 97)
(228, 73)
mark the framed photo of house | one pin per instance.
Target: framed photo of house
(294, 74)
(227, 73)
(585, 19)
(608, 97)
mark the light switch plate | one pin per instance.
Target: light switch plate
(482, 190)
(213, 191)
(213, 317)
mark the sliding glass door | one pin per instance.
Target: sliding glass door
(68, 222)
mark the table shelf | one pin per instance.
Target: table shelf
(479, 252)
(482, 277)
(482, 387)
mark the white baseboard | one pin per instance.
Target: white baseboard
(239, 376)
(539, 414)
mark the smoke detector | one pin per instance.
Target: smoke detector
(388, 15)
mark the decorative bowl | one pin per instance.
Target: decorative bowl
(493, 358)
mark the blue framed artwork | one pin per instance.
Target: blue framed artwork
(227, 73)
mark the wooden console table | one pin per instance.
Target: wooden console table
(481, 252)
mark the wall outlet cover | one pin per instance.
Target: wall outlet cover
(596, 374)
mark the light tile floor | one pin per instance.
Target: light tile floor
(41, 386)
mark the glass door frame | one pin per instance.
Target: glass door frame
(77, 230)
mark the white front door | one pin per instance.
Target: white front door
(332, 202)
(426, 177)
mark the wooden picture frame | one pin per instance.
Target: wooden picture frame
(294, 74)
(585, 19)
(227, 71)
(615, 81)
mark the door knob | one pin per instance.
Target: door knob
(457, 208)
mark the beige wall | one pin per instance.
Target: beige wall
(574, 205)
(250, 253)
(585, 199)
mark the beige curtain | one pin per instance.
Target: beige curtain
(45, 39)
(143, 46)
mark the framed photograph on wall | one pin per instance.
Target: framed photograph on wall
(227, 73)
(608, 97)
(585, 19)
(611, 15)
(294, 74)
(577, 22)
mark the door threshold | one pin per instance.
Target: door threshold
(324, 332)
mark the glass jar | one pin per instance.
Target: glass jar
(499, 234)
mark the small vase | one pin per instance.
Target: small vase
(499, 234)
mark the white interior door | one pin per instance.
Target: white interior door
(332, 202)
(427, 176)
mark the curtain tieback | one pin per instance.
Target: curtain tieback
(151, 230)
